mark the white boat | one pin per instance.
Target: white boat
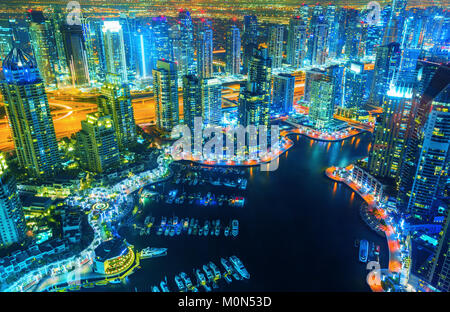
(153, 252)
(239, 267)
(235, 227)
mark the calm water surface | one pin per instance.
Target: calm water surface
(297, 229)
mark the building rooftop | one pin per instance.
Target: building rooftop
(110, 249)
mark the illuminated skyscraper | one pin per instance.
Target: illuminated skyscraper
(425, 148)
(165, 88)
(192, 106)
(115, 101)
(321, 108)
(259, 77)
(336, 72)
(233, 50)
(145, 52)
(332, 20)
(276, 35)
(252, 108)
(355, 86)
(29, 115)
(186, 61)
(254, 97)
(114, 48)
(283, 94)
(76, 54)
(387, 63)
(97, 143)
(296, 44)
(439, 275)
(317, 41)
(44, 46)
(202, 98)
(310, 75)
(249, 40)
(160, 28)
(129, 25)
(353, 34)
(394, 28)
(388, 146)
(92, 30)
(12, 221)
(211, 98)
(433, 163)
(204, 47)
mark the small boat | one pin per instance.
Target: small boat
(209, 274)
(153, 252)
(178, 231)
(179, 283)
(239, 267)
(363, 250)
(163, 221)
(226, 265)
(200, 277)
(166, 232)
(243, 184)
(217, 232)
(206, 228)
(215, 270)
(186, 279)
(172, 231)
(229, 183)
(155, 289)
(200, 231)
(235, 227)
(160, 230)
(226, 232)
(164, 287)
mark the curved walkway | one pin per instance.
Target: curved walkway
(286, 145)
(395, 264)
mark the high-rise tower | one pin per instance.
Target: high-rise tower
(29, 115)
(233, 50)
(296, 44)
(276, 35)
(115, 101)
(12, 222)
(204, 47)
(165, 88)
(97, 143)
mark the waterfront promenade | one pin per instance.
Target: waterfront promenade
(373, 207)
(285, 145)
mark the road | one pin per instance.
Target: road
(70, 108)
